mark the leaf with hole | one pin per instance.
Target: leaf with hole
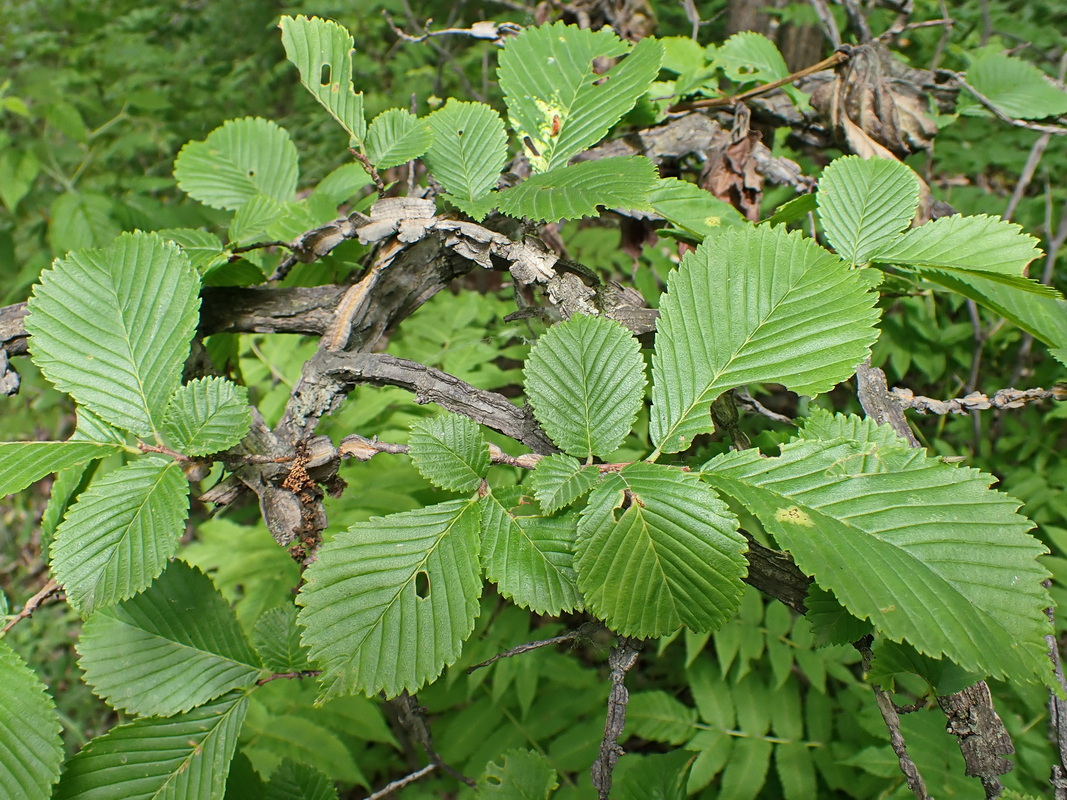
(112, 327)
(468, 150)
(237, 161)
(556, 100)
(389, 602)
(322, 51)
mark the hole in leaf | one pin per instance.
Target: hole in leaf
(493, 780)
(422, 585)
(251, 173)
(325, 73)
(627, 501)
(459, 132)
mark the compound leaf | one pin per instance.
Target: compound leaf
(468, 150)
(389, 602)
(556, 101)
(754, 305)
(450, 452)
(120, 533)
(585, 378)
(207, 415)
(923, 549)
(396, 136)
(865, 204)
(558, 480)
(174, 646)
(530, 558)
(112, 327)
(237, 161)
(575, 192)
(22, 463)
(322, 51)
(30, 746)
(657, 550)
(186, 756)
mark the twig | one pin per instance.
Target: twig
(400, 783)
(977, 401)
(857, 21)
(583, 632)
(32, 605)
(721, 102)
(621, 660)
(827, 22)
(942, 43)
(165, 451)
(1055, 130)
(752, 404)
(1057, 709)
(1027, 174)
(892, 723)
(369, 167)
(259, 246)
(288, 676)
(414, 722)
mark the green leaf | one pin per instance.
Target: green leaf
(530, 558)
(207, 415)
(30, 747)
(1042, 317)
(586, 381)
(746, 772)
(903, 539)
(293, 781)
(81, 219)
(277, 640)
(754, 305)
(795, 766)
(558, 480)
(254, 219)
(822, 424)
(1013, 85)
(796, 209)
(693, 209)
(830, 623)
(120, 533)
(984, 247)
(749, 56)
(450, 452)
(468, 150)
(396, 136)
(204, 249)
(575, 192)
(112, 327)
(174, 646)
(186, 756)
(557, 100)
(657, 550)
(322, 51)
(517, 775)
(389, 602)
(662, 776)
(23, 463)
(865, 203)
(660, 717)
(237, 161)
(893, 659)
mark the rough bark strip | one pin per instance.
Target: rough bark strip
(621, 660)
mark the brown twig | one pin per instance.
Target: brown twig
(400, 783)
(1057, 709)
(583, 632)
(371, 170)
(621, 660)
(892, 722)
(725, 102)
(288, 676)
(32, 605)
(162, 450)
(977, 401)
(414, 722)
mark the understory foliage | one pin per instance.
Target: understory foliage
(234, 670)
